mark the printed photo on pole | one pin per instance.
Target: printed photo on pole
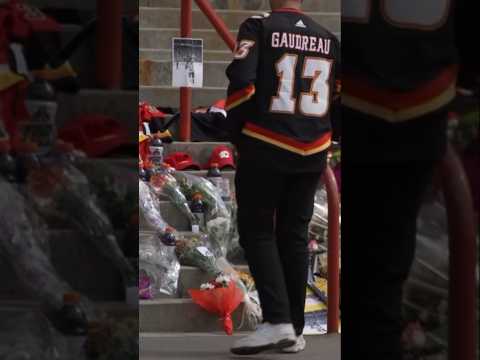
(187, 62)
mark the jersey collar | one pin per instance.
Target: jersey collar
(289, 10)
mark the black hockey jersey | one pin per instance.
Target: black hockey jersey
(282, 82)
(400, 57)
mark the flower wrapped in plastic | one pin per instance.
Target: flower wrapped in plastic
(57, 187)
(193, 250)
(191, 184)
(159, 267)
(222, 297)
(235, 253)
(24, 243)
(163, 183)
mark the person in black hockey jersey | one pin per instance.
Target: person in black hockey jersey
(282, 83)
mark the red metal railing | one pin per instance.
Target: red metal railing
(109, 44)
(333, 292)
(463, 259)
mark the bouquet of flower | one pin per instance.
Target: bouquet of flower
(163, 183)
(192, 250)
(159, 267)
(191, 184)
(221, 296)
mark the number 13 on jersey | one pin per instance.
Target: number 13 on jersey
(316, 102)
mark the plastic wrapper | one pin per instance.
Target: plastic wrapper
(218, 218)
(235, 253)
(22, 244)
(191, 184)
(319, 224)
(31, 336)
(159, 267)
(221, 301)
(57, 187)
(163, 183)
(218, 230)
(149, 205)
(193, 250)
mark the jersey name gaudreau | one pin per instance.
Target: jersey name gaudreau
(301, 42)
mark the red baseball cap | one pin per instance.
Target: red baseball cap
(95, 134)
(223, 156)
(181, 161)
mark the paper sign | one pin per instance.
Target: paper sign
(187, 62)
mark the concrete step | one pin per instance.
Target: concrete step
(181, 316)
(122, 105)
(77, 261)
(308, 5)
(160, 73)
(168, 96)
(161, 38)
(170, 18)
(166, 54)
(216, 345)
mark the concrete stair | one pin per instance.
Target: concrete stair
(160, 21)
(157, 17)
(176, 328)
(216, 346)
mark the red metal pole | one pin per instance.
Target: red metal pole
(109, 44)
(333, 306)
(463, 258)
(217, 23)
(185, 92)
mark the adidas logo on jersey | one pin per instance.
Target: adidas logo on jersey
(301, 24)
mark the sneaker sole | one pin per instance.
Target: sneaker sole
(252, 350)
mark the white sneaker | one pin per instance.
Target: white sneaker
(266, 337)
(299, 345)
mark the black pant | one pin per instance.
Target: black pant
(274, 210)
(381, 196)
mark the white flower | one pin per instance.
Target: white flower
(223, 280)
(207, 286)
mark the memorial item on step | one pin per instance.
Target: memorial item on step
(187, 62)
(149, 206)
(318, 227)
(193, 250)
(24, 244)
(220, 296)
(159, 267)
(164, 183)
(191, 184)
